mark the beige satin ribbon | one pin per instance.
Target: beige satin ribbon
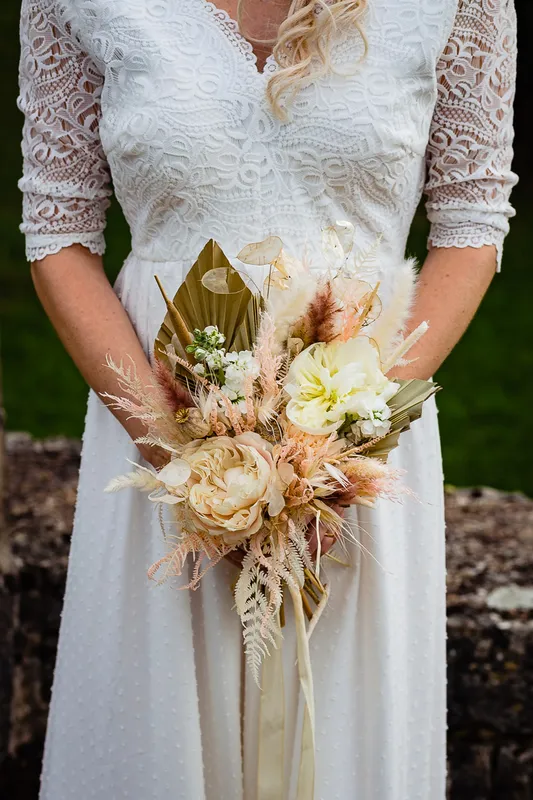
(306, 775)
(270, 772)
(271, 756)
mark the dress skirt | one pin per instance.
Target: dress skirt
(151, 696)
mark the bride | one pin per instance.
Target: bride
(234, 122)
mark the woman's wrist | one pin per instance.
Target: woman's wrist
(153, 454)
(450, 288)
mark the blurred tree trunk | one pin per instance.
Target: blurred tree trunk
(5, 551)
(4, 545)
(6, 599)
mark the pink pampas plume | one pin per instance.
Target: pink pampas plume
(174, 393)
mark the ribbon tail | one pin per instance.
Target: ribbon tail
(318, 611)
(271, 755)
(306, 775)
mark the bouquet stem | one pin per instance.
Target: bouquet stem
(307, 608)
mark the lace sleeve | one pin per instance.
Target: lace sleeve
(65, 179)
(469, 177)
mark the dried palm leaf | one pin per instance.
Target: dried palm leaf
(406, 407)
(233, 307)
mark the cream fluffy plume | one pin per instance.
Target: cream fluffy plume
(287, 305)
(389, 327)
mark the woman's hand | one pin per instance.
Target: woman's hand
(156, 456)
(236, 557)
(326, 539)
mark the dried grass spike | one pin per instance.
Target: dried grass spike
(174, 393)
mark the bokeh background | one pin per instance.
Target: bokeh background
(486, 407)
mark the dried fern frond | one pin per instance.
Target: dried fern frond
(274, 559)
(365, 262)
(145, 403)
(251, 604)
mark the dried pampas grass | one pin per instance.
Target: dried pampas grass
(387, 331)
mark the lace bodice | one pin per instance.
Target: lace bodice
(166, 98)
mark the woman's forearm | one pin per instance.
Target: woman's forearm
(91, 322)
(451, 286)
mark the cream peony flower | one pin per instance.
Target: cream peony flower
(232, 482)
(326, 382)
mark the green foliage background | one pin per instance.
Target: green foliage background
(485, 408)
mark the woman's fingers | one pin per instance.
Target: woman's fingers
(236, 557)
(326, 539)
(156, 456)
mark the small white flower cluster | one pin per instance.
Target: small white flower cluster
(238, 369)
(372, 421)
(205, 345)
(230, 371)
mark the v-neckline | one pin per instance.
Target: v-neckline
(230, 25)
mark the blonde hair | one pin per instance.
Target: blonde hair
(303, 43)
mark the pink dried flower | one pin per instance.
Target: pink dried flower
(173, 392)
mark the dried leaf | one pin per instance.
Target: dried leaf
(406, 407)
(261, 253)
(216, 280)
(175, 323)
(332, 248)
(175, 473)
(235, 312)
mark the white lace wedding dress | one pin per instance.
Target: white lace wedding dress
(151, 698)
